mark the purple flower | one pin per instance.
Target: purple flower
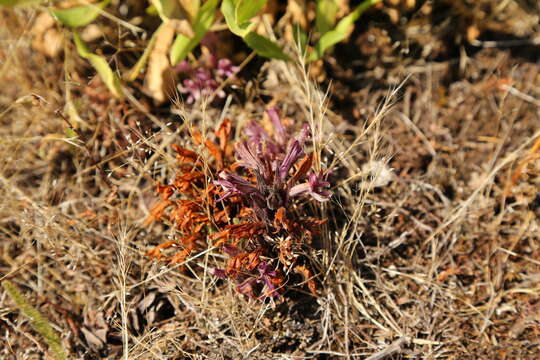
(271, 163)
(266, 273)
(225, 68)
(183, 66)
(258, 159)
(220, 273)
(314, 187)
(256, 133)
(280, 133)
(247, 287)
(294, 152)
(201, 85)
(234, 185)
(204, 81)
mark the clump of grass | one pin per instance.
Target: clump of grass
(38, 322)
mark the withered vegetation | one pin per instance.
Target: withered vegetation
(136, 227)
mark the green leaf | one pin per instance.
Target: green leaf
(20, 3)
(103, 69)
(340, 32)
(71, 133)
(246, 9)
(165, 8)
(264, 46)
(325, 17)
(203, 21)
(236, 13)
(79, 15)
(151, 10)
(38, 322)
(175, 9)
(228, 9)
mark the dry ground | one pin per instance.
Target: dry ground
(432, 247)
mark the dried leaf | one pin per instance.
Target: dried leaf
(297, 10)
(92, 339)
(160, 78)
(308, 277)
(46, 38)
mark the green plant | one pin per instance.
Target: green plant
(326, 17)
(194, 19)
(39, 323)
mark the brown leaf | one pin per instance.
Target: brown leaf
(160, 78)
(46, 38)
(157, 211)
(182, 27)
(308, 277)
(185, 155)
(304, 167)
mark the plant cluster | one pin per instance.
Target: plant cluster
(203, 80)
(252, 211)
(189, 21)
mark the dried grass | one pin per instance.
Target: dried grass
(435, 263)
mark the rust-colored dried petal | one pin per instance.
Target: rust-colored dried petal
(196, 136)
(223, 133)
(253, 259)
(157, 211)
(166, 191)
(156, 251)
(238, 231)
(181, 256)
(244, 261)
(308, 277)
(215, 151)
(184, 155)
(303, 169)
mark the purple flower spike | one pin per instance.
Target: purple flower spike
(225, 68)
(256, 133)
(203, 81)
(247, 156)
(220, 273)
(183, 66)
(202, 85)
(234, 185)
(265, 269)
(266, 274)
(280, 133)
(314, 187)
(294, 152)
(246, 287)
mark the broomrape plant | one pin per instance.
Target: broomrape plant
(202, 81)
(256, 204)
